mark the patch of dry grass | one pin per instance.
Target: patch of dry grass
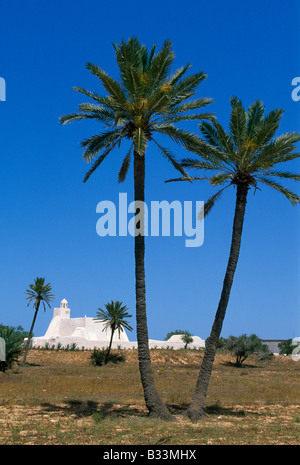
(61, 398)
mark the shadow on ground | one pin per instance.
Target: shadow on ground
(81, 409)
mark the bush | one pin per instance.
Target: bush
(286, 347)
(14, 339)
(98, 357)
(185, 336)
(172, 333)
(244, 345)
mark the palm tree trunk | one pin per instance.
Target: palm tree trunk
(196, 407)
(30, 333)
(153, 401)
(109, 347)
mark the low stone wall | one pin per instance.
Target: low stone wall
(64, 341)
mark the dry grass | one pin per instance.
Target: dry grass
(60, 398)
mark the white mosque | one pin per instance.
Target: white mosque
(88, 333)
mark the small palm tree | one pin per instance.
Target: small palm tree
(187, 339)
(38, 293)
(241, 157)
(114, 319)
(146, 102)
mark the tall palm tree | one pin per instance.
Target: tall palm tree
(145, 101)
(114, 319)
(242, 157)
(38, 293)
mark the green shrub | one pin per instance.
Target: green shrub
(173, 333)
(244, 345)
(98, 357)
(14, 339)
(286, 347)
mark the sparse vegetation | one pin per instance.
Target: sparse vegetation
(60, 398)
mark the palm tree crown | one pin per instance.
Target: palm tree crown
(145, 101)
(39, 292)
(114, 316)
(247, 153)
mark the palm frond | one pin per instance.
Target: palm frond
(74, 116)
(255, 117)
(189, 117)
(282, 174)
(220, 178)
(99, 160)
(132, 54)
(201, 164)
(125, 166)
(106, 101)
(189, 178)
(279, 150)
(111, 85)
(170, 157)
(224, 140)
(180, 136)
(210, 203)
(238, 121)
(291, 196)
(140, 141)
(267, 129)
(194, 104)
(160, 66)
(157, 102)
(185, 88)
(179, 73)
(97, 142)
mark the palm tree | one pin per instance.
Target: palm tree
(114, 319)
(38, 292)
(145, 101)
(241, 157)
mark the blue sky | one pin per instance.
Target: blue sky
(49, 215)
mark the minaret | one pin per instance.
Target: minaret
(63, 311)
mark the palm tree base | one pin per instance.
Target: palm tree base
(164, 415)
(195, 414)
